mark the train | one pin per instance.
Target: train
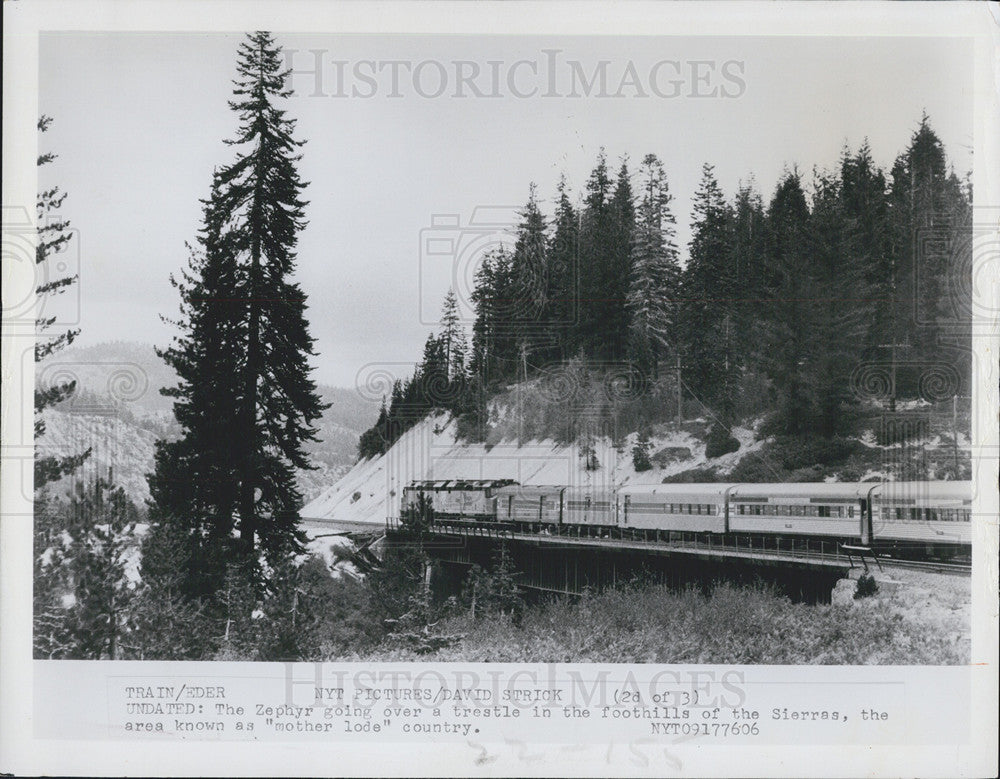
(907, 519)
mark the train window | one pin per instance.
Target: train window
(850, 511)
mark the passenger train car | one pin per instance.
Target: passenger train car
(836, 510)
(922, 515)
(899, 518)
(692, 508)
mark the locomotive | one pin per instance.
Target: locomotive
(927, 518)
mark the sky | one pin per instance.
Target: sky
(419, 149)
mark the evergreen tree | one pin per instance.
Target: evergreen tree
(595, 253)
(840, 312)
(195, 483)
(241, 291)
(434, 385)
(788, 316)
(494, 343)
(562, 294)
(748, 265)
(655, 272)
(165, 623)
(865, 215)
(53, 237)
(619, 265)
(529, 280)
(454, 346)
(453, 335)
(376, 439)
(708, 293)
(52, 583)
(929, 217)
(100, 528)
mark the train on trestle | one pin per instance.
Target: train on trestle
(927, 519)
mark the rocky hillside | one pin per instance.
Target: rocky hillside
(119, 412)
(429, 450)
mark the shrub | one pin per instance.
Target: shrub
(866, 587)
(798, 453)
(758, 467)
(720, 441)
(640, 453)
(591, 463)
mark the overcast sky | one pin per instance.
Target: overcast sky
(140, 121)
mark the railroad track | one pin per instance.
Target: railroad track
(956, 569)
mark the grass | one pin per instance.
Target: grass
(737, 625)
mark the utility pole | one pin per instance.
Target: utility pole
(892, 369)
(954, 429)
(680, 399)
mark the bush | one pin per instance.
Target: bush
(866, 587)
(720, 441)
(798, 453)
(758, 467)
(655, 624)
(640, 453)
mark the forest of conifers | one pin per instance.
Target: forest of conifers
(778, 310)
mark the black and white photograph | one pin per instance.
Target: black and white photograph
(470, 348)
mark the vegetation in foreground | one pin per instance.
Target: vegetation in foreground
(741, 625)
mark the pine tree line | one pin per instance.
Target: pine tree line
(853, 267)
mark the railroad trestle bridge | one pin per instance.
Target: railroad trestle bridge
(569, 564)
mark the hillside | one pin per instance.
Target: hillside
(431, 449)
(118, 410)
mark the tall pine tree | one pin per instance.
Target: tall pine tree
(928, 215)
(655, 273)
(595, 253)
(562, 296)
(708, 296)
(53, 236)
(787, 314)
(526, 313)
(619, 266)
(241, 298)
